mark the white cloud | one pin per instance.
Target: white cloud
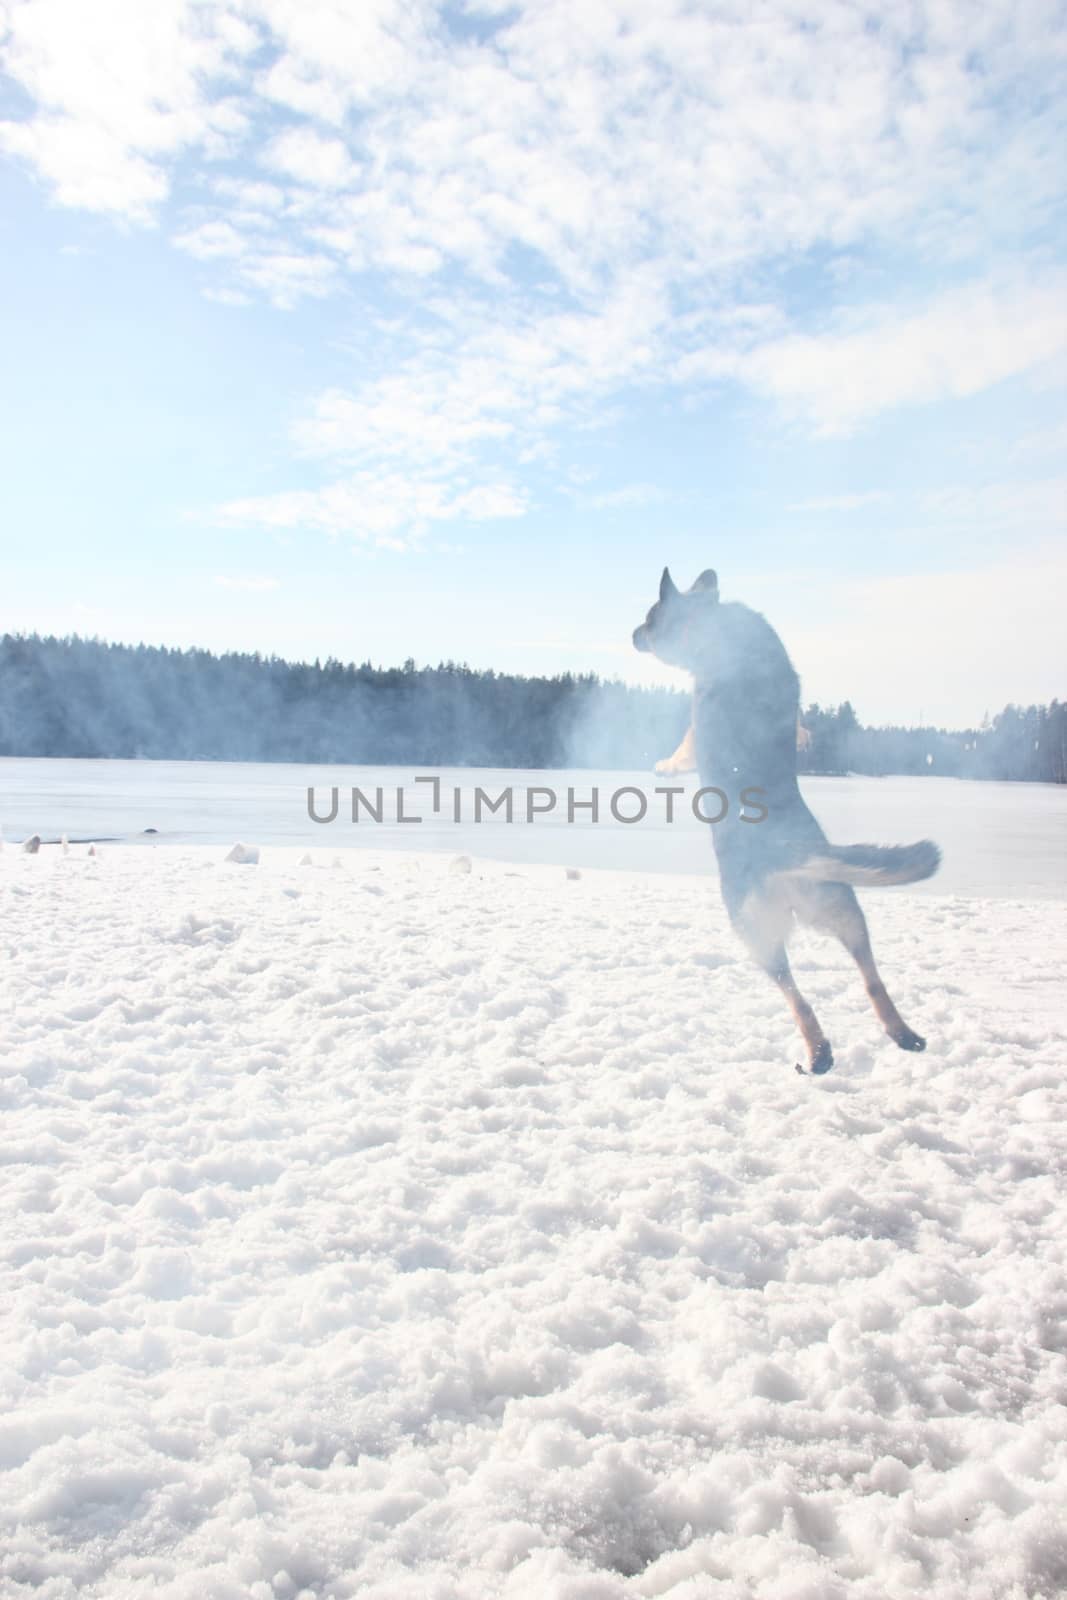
(380, 509)
(338, 58)
(577, 201)
(302, 154)
(88, 166)
(211, 241)
(120, 90)
(598, 137)
(286, 277)
(965, 340)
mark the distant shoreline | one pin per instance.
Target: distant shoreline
(408, 767)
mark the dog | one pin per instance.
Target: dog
(777, 867)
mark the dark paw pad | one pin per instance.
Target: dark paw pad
(823, 1059)
(909, 1040)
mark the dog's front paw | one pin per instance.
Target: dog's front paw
(821, 1061)
(908, 1039)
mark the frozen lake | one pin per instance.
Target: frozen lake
(1006, 840)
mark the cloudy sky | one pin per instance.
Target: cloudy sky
(379, 328)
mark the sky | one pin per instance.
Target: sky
(390, 328)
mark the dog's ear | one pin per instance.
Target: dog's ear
(707, 582)
(667, 588)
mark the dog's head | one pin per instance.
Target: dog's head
(677, 623)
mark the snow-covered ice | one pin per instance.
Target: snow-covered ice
(377, 1230)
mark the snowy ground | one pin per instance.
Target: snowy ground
(377, 1229)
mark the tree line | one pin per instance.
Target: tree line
(1027, 743)
(80, 697)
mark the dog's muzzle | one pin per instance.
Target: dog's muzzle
(641, 638)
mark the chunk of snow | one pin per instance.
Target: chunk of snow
(247, 854)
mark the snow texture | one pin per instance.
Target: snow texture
(376, 1230)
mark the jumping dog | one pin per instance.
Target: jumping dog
(778, 867)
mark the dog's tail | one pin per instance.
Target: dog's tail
(870, 865)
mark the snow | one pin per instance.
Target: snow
(246, 855)
(373, 1229)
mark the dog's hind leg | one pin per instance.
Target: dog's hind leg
(835, 909)
(820, 1056)
(763, 924)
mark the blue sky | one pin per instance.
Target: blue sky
(391, 329)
